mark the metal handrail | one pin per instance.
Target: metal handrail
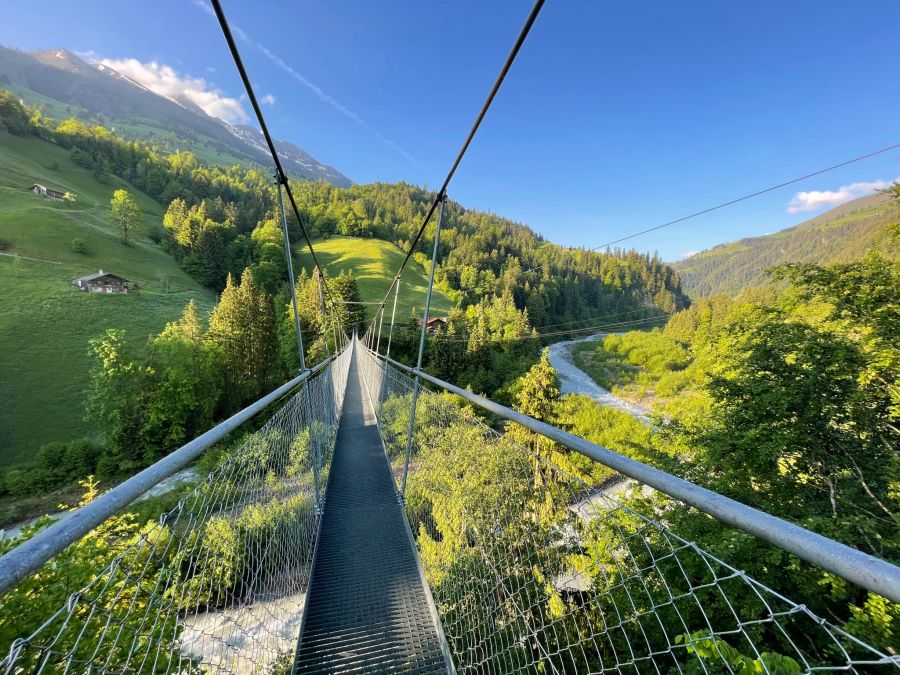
(30, 555)
(867, 571)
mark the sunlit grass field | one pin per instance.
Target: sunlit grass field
(45, 323)
(374, 263)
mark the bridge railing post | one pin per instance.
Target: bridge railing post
(334, 336)
(314, 446)
(324, 315)
(387, 351)
(415, 395)
(380, 321)
(290, 269)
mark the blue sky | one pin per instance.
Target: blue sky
(615, 118)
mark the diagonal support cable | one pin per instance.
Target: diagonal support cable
(441, 194)
(280, 174)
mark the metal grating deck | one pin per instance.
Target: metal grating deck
(367, 607)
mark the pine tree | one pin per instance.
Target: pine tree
(536, 395)
(225, 332)
(538, 391)
(354, 314)
(188, 327)
(258, 325)
(174, 221)
(446, 350)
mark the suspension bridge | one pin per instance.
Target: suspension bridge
(332, 541)
(370, 521)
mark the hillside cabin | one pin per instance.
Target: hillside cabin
(435, 324)
(103, 282)
(45, 191)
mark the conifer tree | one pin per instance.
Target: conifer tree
(354, 314)
(536, 395)
(243, 326)
(257, 319)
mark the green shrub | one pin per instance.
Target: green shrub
(156, 234)
(56, 465)
(77, 245)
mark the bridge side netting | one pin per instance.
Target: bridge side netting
(533, 570)
(218, 583)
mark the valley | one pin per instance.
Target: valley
(148, 322)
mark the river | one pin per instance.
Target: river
(573, 380)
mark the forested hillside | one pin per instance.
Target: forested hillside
(788, 401)
(105, 367)
(839, 235)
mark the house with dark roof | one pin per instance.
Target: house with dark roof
(104, 282)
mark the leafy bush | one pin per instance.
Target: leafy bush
(77, 245)
(156, 234)
(56, 465)
(26, 606)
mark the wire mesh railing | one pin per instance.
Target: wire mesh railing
(533, 570)
(218, 583)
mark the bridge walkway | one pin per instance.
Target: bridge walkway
(368, 606)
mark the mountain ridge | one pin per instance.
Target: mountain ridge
(841, 234)
(66, 85)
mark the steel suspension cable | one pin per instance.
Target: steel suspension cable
(572, 332)
(281, 175)
(441, 194)
(750, 196)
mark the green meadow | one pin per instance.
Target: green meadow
(45, 323)
(374, 263)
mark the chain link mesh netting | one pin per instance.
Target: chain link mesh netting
(533, 570)
(219, 583)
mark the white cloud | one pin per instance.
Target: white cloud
(268, 99)
(687, 254)
(166, 81)
(814, 200)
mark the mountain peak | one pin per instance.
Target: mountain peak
(99, 93)
(62, 59)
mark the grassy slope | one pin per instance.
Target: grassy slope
(45, 324)
(839, 235)
(374, 263)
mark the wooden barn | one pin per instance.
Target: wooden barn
(45, 191)
(435, 323)
(104, 282)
